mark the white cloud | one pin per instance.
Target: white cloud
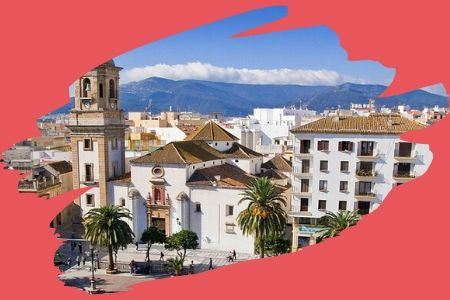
(205, 71)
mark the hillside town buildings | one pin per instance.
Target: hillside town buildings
(184, 170)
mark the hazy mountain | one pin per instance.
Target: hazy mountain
(240, 99)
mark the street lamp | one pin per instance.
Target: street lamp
(93, 288)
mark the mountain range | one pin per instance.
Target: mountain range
(239, 99)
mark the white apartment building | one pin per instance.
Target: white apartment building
(350, 163)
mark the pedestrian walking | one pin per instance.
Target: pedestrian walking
(137, 246)
(210, 264)
(84, 260)
(161, 257)
(132, 263)
(191, 267)
(234, 254)
(230, 257)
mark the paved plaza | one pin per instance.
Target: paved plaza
(79, 276)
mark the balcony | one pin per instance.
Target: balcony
(300, 193)
(36, 186)
(406, 157)
(304, 153)
(367, 156)
(299, 211)
(404, 176)
(362, 195)
(366, 174)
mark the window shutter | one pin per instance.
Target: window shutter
(350, 147)
(340, 146)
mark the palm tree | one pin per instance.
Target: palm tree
(336, 222)
(264, 215)
(106, 226)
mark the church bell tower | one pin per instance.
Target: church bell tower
(97, 128)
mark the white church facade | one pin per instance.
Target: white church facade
(194, 184)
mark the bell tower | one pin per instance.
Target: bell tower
(97, 128)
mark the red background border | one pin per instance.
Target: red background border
(400, 250)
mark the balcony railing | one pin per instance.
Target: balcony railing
(399, 175)
(406, 156)
(367, 155)
(34, 185)
(366, 173)
(364, 194)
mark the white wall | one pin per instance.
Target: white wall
(209, 224)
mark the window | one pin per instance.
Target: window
(100, 90)
(324, 165)
(345, 146)
(88, 172)
(344, 166)
(114, 143)
(304, 204)
(366, 149)
(198, 207)
(90, 200)
(322, 204)
(112, 89)
(363, 207)
(342, 205)
(87, 144)
(305, 145)
(343, 186)
(322, 145)
(304, 185)
(229, 210)
(323, 185)
(229, 228)
(85, 88)
(305, 165)
(364, 188)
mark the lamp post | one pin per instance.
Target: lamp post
(93, 288)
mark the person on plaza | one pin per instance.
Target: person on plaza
(78, 260)
(137, 246)
(132, 263)
(84, 260)
(161, 257)
(210, 264)
(230, 257)
(191, 267)
(234, 254)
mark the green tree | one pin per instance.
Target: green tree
(336, 222)
(264, 215)
(181, 241)
(175, 265)
(274, 245)
(151, 236)
(106, 226)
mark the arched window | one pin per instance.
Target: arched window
(86, 87)
(112, 89)
(100, 90)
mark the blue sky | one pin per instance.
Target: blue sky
(310, 56)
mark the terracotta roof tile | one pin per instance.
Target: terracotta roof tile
(184, 152)
(278, 163)
(211, 132)
(239, 151)
(377, 123)
(223, 176)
